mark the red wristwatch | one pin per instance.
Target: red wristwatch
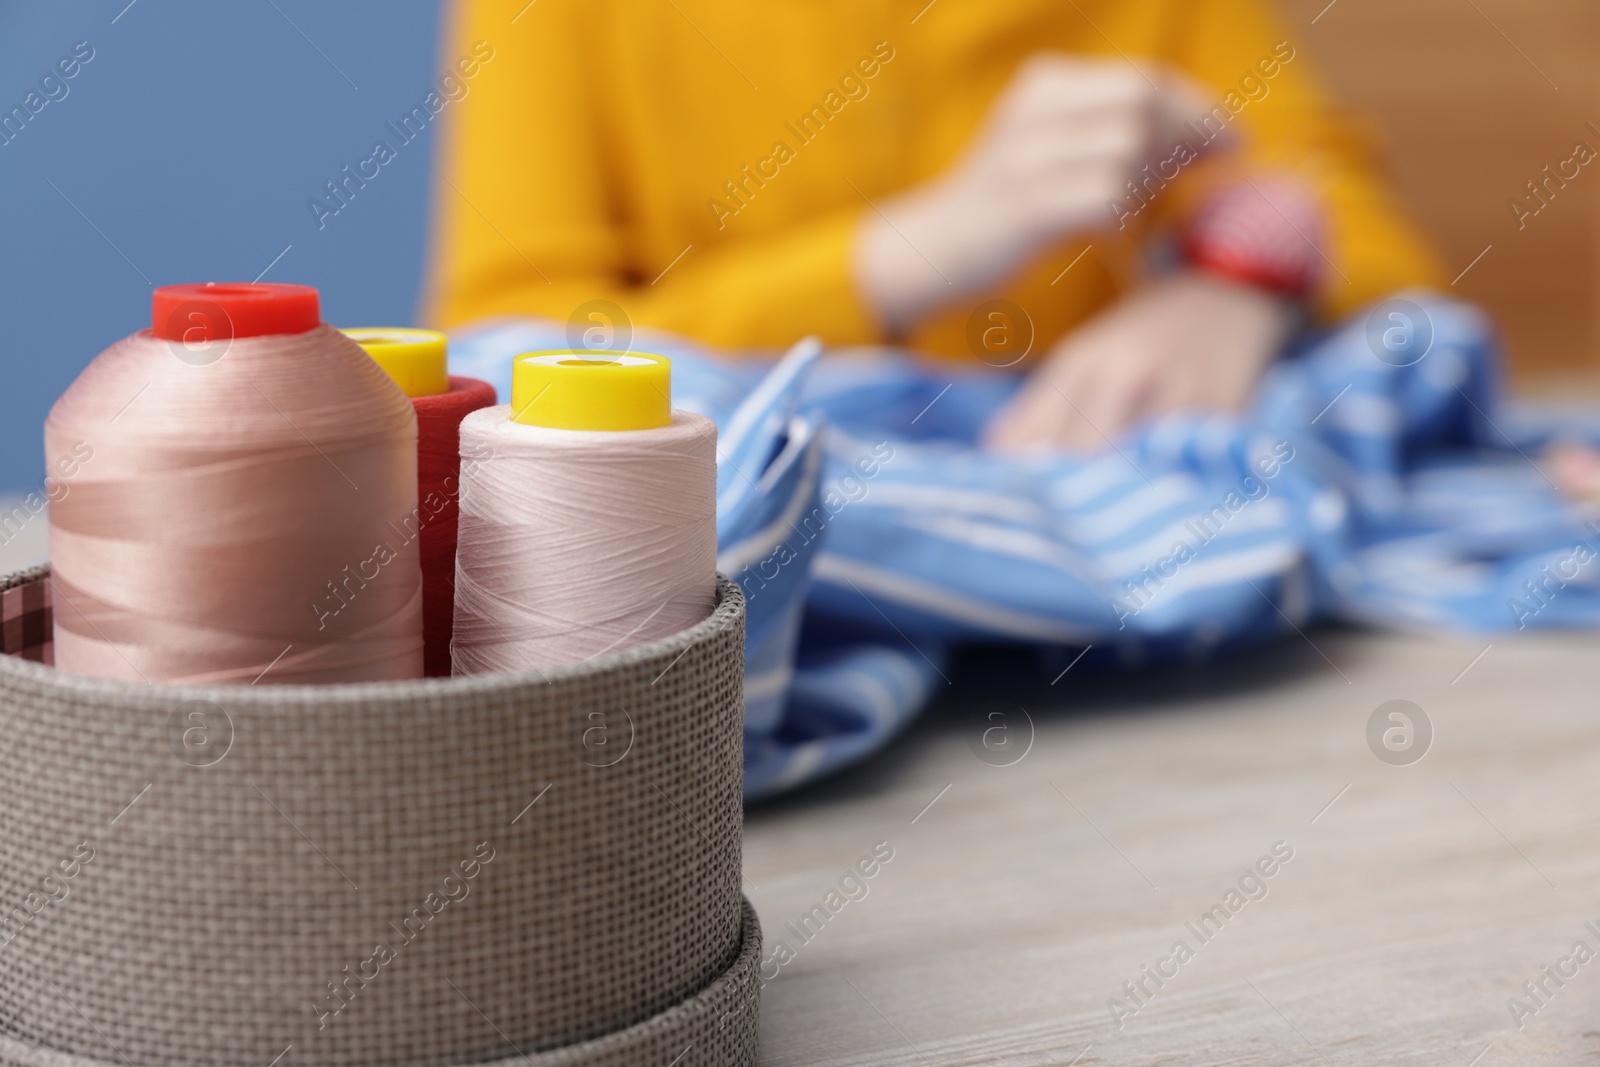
(1263, 231)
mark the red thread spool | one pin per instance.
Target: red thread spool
(417, 361)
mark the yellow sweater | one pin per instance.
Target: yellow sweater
(704, 164)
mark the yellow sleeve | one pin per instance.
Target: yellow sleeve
(1288, 124)
(527, 223)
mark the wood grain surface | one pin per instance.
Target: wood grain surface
(1418, 900)
(1469, 101)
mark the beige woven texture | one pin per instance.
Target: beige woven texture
(536, 868)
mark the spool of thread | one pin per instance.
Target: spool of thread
(588, 518)
(418, 362)
(234, 524)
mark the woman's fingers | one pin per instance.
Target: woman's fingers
(1187, 343)
(1116, 388)
(1056, 150)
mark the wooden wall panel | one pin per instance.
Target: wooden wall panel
(1471, 100)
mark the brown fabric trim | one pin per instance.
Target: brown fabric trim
(26, 623)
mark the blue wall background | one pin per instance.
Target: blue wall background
(190, 144)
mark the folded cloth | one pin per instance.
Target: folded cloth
(1369, 481)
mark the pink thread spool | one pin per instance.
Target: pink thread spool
(588, 514)
(235, 525)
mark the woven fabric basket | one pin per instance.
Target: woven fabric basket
(536, 868)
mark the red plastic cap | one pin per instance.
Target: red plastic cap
(220, 311)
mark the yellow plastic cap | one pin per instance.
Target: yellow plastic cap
(417, 360)
(592, 390)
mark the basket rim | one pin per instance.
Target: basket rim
(712, 1001)
(727, 612)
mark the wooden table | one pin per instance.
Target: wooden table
(1020, 898)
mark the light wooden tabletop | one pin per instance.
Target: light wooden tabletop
(1020, 898)
(1418, 900)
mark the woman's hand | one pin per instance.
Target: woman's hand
(1191, 342)
(1057, 147)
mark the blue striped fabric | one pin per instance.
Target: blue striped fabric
(871, 536)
